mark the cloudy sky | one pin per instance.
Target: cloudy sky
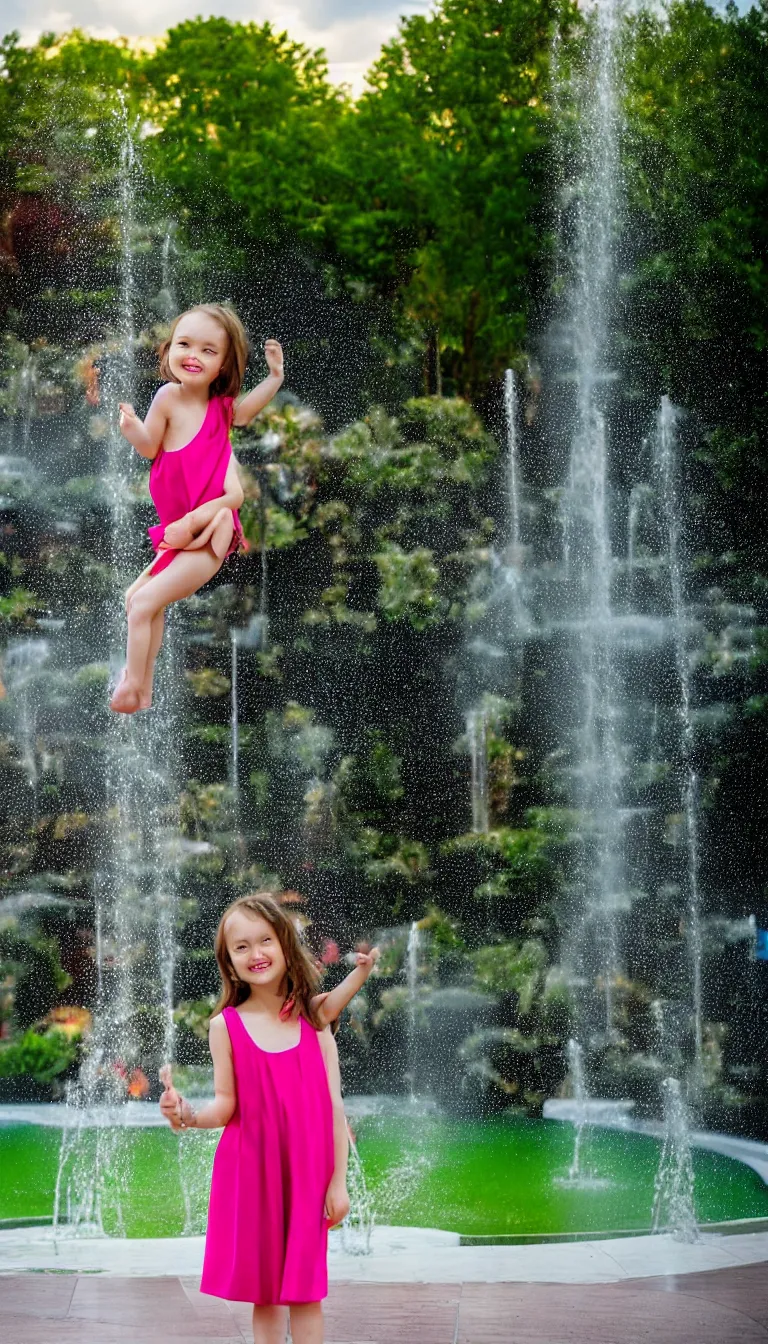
(351, 31)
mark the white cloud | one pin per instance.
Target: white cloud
(350, 31)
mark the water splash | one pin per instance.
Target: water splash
(357, 1228)
(576, 1065)
(673, 1197)
(579, 1177)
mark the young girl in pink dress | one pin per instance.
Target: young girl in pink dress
(193, 479)
(279, 1175)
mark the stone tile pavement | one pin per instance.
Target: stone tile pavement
(723, 1306)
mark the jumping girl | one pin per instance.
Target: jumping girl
(193, 479)
(279, 1175)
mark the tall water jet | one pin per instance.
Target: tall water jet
(666, 464)
(576, 1069)
(477, 734)
(234, 780)
(167, 294)
(513, 468)
(412, 984)
(24, 659)
(673, 1202)
(589, 566)
(136, 882)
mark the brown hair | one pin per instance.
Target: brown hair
(302, 977)
(230, 380)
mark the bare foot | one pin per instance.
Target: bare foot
(126, 699)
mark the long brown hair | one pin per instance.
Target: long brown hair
(302, 978)
(230, 380)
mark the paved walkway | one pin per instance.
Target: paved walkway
(726, 1306)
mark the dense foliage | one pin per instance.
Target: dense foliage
(400, 245)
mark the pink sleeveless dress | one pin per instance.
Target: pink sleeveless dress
(192, 475)
(267, 1232)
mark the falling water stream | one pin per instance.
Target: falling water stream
(135, 888)
(586, 502)
(665, 455)
(477, 736)
(412, 985)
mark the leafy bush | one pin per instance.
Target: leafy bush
(508, 967)
(40, 1057)
(38, 976)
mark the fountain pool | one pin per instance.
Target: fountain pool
(492, 1179)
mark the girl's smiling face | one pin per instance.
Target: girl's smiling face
(198, 350)
(254, 950)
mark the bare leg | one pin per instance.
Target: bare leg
(143, 578)
(189, 571)
(269, 1325)
(158, 625)
(307, 1323)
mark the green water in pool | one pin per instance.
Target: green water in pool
(503, 1177)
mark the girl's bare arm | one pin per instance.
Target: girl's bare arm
(222, 1108)
(336, 1199)
(255, 401)
(146, 436)
(330, 1005)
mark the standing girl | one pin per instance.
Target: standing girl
(279, 1175)
(193, 479)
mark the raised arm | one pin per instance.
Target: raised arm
(146, 436)
(336, 1198)
(180, 1113)
(331, 1005)
(255, 401)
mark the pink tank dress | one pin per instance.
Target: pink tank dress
(267, 1232)
(192, 475)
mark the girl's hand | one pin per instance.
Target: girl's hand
(336, 1202)
(179, 534)
(273, 353)
(128, 417)
(175, 1109)
(367, 960)
(170, 1102)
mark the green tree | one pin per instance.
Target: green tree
(61, 124)
(438, 180)
(245, 116)
(697, 176)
